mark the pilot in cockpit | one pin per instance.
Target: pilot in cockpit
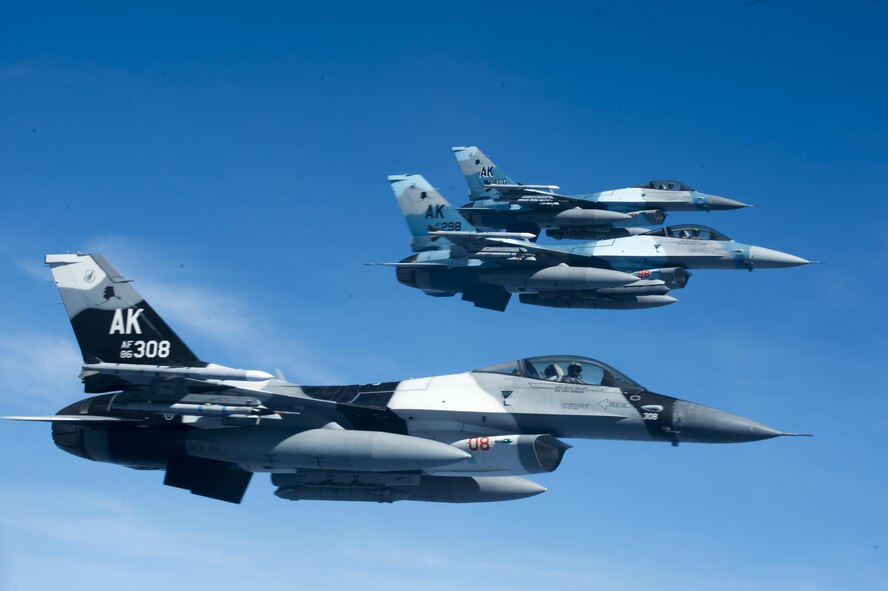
(574, 374)
(553, 373)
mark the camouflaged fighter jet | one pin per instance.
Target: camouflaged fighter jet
(460, 438)
(498, 202)
(621, 273)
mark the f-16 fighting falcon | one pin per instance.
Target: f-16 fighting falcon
(460, 438)
(632, 272)
(497, 202)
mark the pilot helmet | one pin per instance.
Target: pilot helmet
(574, 368)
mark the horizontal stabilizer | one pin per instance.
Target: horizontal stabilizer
(70, 419)
(407, 265)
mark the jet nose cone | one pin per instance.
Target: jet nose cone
(765, 258)
(717, 203)
(698, 423)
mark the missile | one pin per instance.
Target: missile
(210, 372)
(481, 235)
(209, 409)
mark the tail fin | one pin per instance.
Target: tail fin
(111, 321)
(479, 170)
(425, 209)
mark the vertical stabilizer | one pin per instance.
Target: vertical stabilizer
(111, 321)
(480, 172)
(425, 209)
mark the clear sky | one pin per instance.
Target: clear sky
(231, 158)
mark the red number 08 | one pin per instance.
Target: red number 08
(476, 443)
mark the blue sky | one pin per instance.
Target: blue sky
(232, 160)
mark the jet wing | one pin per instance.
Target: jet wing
(272, 399)
(549, 254)
(146, 390)
(482, 244)
(463, 237)
(533, 252)
(510, 246)
(472, 242)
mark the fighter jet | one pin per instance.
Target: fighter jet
(632, 272)
(497, 202)
(460, 438)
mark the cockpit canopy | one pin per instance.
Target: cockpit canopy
(564, 368)
(689, 232)
(665, 186)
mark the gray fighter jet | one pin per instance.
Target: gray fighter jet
(632, 272)
(497, 202)
(460, 438)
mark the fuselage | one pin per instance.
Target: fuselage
(618, 273)
(639, 198)
(467, 437)
(559, 396)
(631, 253)
(638, 206)
(483, 403)
(634, 253)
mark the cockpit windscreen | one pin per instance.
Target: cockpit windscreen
(665, 186)
(568, 369)
(689, 232)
